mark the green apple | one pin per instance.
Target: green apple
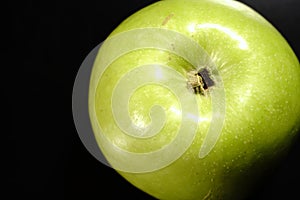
(194, 99)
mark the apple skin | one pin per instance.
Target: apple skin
(261, 77)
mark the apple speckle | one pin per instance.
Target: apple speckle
(167, 19)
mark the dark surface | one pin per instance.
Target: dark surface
(45, 157)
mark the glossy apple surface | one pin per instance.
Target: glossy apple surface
(261, 80)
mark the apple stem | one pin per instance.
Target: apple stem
(199, 81)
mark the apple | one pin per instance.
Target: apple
(194, 99)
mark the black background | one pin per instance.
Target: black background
(45, 158)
